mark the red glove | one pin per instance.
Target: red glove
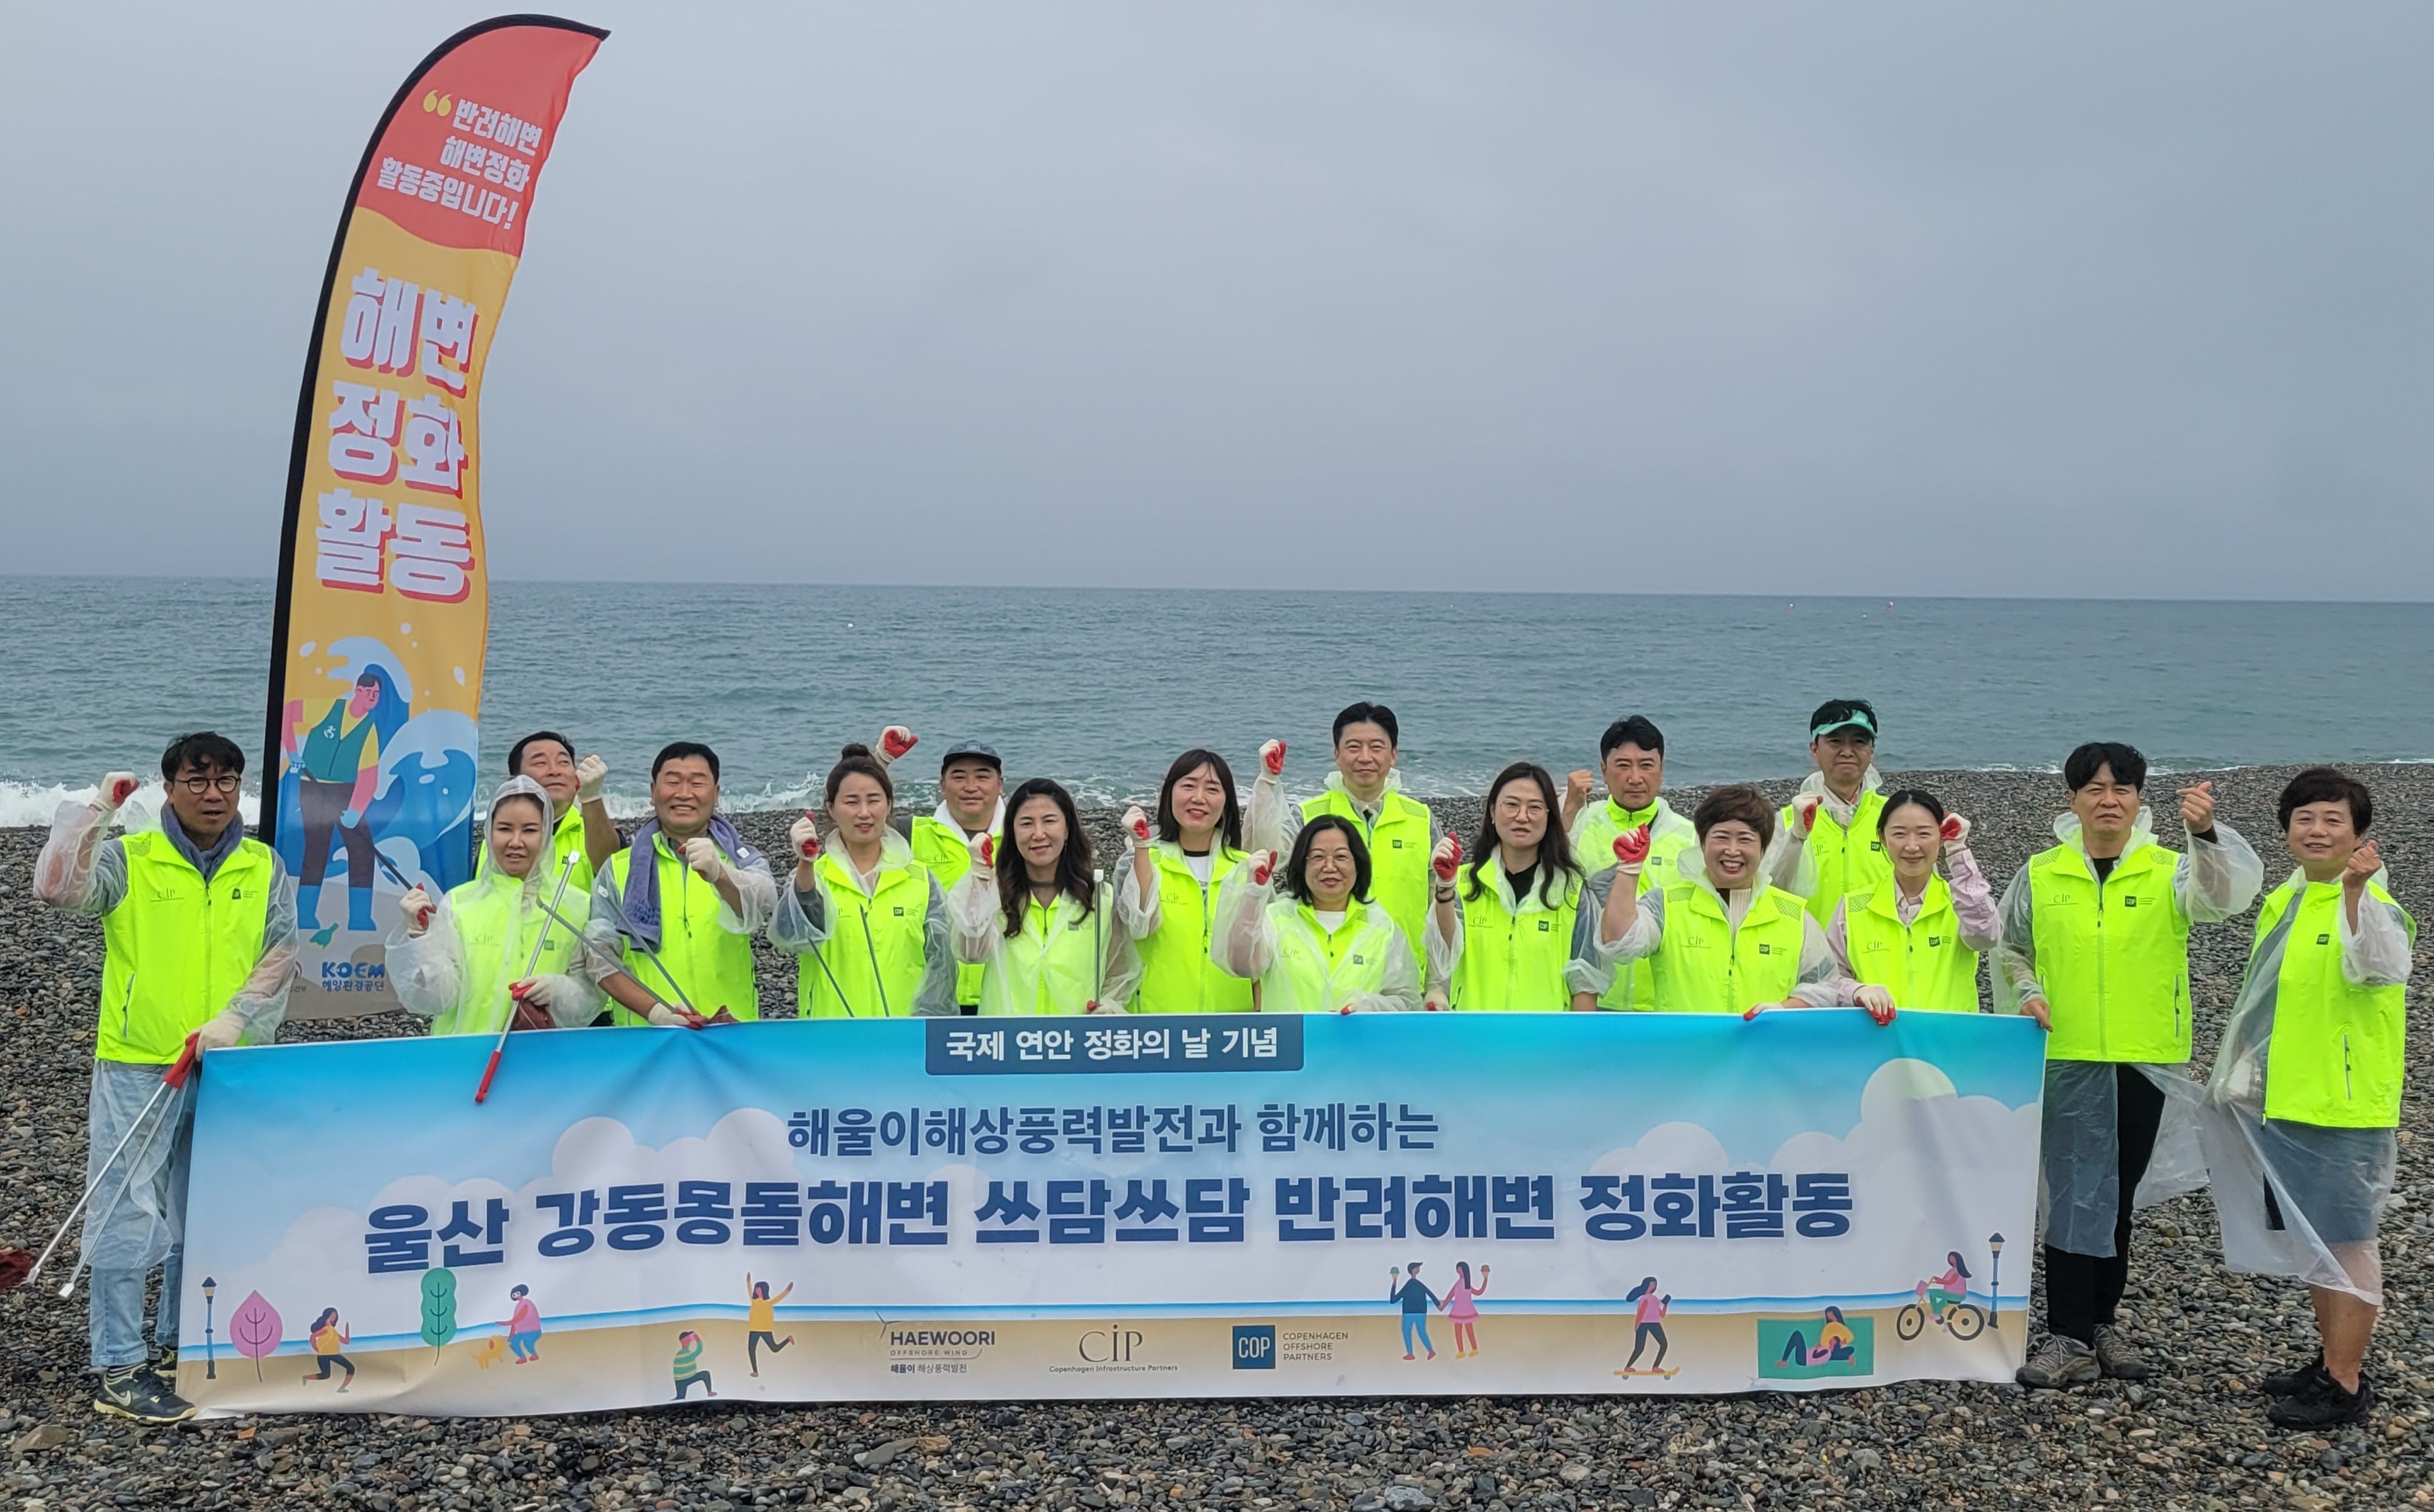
(15, 1265)
(1956, 830)
(1264, 866)
(896, 740)
(1805, 806)
(1136, 824)
(984, 852)
(805, 833)
(1449, 858)
(1272, 756)
(1631, 848)
(121, 788)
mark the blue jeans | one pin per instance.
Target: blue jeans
(125, 1237)
(1416, 1323)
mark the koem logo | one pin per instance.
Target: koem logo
(1255, 1347)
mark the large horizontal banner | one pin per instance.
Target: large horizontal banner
(1178, 1206)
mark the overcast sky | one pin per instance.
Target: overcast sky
(1895, 298)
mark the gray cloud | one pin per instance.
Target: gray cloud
(1590, 296)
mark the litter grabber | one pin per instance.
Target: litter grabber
(176, 1076)
(683, 1008)
(565, 874)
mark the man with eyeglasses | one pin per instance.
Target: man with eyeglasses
(198, 934)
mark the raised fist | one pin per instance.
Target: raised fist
(113, 791)
(1262, 865)
(1803, 813)
(1956, 831)
(416, 906)
(1136, 830)
(1576, 787)
(1447, 856)
(805, 835)
(1631, 849)
(1272, 756)
(2197, 808)
(896, 740)
(984, 852)
(2363, 863)
(701, 854)
(591, 774)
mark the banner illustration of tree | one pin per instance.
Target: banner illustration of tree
(439, 1308)
(254, 1329)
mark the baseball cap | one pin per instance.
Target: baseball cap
(963, 749)
(1843, 714)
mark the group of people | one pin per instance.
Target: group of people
(1356, 899)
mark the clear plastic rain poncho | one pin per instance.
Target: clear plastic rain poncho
(2213, 881)
(803, 925)
(1022, 970)
(2232, 1145)
(1820, 983)
(1276, 942)
(495, 931)
(1787, 864)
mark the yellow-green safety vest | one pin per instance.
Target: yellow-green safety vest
(1847, 860)
(177, 949)
(712, 963)
(1635, 984)
(1052, 963)
(878, 944)
(1705, 965)
(947, 854)
(1178, 976)
(496, 932)
(1514, 962)
(1923, 963)
(1398, 855)
(2114, 960)
(2336, 1053)
(1317, 971)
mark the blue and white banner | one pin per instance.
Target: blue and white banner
(1188, 1206)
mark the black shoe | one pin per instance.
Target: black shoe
(134, 1391)
(2290, 1383)
(2323, 1403)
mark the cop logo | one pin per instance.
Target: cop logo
(1255, 1347)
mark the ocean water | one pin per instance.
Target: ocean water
(1103, 687)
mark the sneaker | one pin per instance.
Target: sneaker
(2116, 1356)
(2290, 1383)
(2060, 1361)
(2323, 1403)
(134, 1391)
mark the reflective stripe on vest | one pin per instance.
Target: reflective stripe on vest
(1398, 855)
(496, 932)
(1514, 962)
(1847, 860)
(2114, 960)
(1178, 976)
(944, 849)
(711, 963)
(877, 947)
(2336, 1054)
(1049, 966)
(1316, 971)
(175, 948)
(1705, 965)
(1922, 963)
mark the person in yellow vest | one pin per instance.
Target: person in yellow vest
(1513, 935)
(1321, 948)
(1034, 912)
(1631, 757)
(1166, 899)
(1830, 847)
(2309, 1076)
(576, 796)
(467, 963)
(2095, 949)
(673, 914)
(867, 922)
(1721, 938)
(198, 940)
(971, 803)
(1914, 939)
(1366, 788)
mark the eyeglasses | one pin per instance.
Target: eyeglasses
(224, 783)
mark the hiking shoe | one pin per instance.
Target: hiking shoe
(2323, 1403)
(2116, 1356)
(2060, 1361)
(2290, 1383)
(134, 1391)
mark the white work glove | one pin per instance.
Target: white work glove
(708, 862)
(984, 847)
(894, 741)
(1631, 851)
(805, 835)
(662, 1016)
(1272, 756)
(1261, 866)
(221, 1030)
(1955, 832)
(113, 791)
(1371, 1003)
(1878, 1002)
(1138, 833)
(590, 774)
(544, 990)
(416, 906)
(1103, 1008)
(1803, 813)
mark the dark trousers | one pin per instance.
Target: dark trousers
(2083, 1292)
(323, 803)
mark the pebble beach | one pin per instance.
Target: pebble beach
(2195, 1436)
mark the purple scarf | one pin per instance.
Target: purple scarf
(206, 862)
(642, 899)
